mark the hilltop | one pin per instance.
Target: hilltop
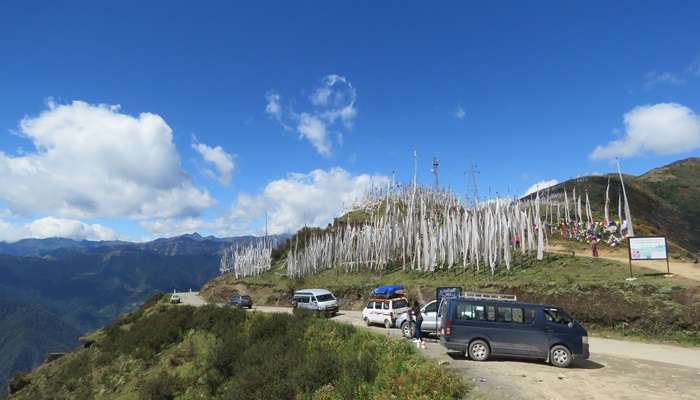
(652, 307)
(663, 201)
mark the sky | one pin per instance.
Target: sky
(136, 120)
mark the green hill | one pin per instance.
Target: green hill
(663, 201)
(180, 352)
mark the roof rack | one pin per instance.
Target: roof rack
(490, 296)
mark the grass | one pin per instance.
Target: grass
(181, 352)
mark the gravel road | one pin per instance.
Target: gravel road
(616, 370)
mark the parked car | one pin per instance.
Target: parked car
(482, 328)
(384, 311)
(175, 299)
(429, 325)
(241, 301)
(319, 300)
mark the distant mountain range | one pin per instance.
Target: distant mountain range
(54, 290)
(193, 243)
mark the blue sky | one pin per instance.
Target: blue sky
(539, 88)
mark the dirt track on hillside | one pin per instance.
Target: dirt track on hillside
(616, 370)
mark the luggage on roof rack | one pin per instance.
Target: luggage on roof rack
(490, 296)
(388, 291)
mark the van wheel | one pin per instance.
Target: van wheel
(367, 321)
(560, 356)
(479, 350)
(406, 330)
(387, 323)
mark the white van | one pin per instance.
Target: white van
(384, 311)
(319, 300)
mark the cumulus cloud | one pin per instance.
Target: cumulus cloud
(220, 159)
(664, 129)
(459, 113)
(93, 161)
(48, 227)
(541, 185)
(313, 198)
(332, 111)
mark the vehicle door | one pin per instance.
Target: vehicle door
(429, 317)
(558, 327)
(304, 302)
(518, 334)
(313, 304)
(372, 311)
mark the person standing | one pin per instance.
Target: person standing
(418, 320)
(594, 247)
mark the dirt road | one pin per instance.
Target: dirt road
(616, 370)
(686, 269)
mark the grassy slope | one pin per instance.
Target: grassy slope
(663, 201)
(594, 290)
(180, 352)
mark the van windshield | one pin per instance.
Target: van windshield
(325, 297)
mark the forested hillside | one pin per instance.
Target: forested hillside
(54, 290)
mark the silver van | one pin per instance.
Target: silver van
(319, 300)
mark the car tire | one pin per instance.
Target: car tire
(406, 330)
(367, 321)
(479, 350)
(560, 356)
(387, 323)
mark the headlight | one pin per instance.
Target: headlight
(584, 339)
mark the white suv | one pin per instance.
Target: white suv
(384, 311)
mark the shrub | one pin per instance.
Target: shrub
(159, 387)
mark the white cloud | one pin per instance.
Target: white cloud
(314, 130)
(48, 227)
(94, 161)
(332, 110)
(273, 107)
(220, 159)
(541, 185)
(654, 78)
(314, 199)
(664, 128)
(69, 228)
(459, 113)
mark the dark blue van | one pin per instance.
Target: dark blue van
(481, 328)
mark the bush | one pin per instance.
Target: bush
(160, 387)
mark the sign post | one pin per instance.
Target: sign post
(648, 248)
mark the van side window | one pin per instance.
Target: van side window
(505, 314)
(401, 303)
(377, 305)
(556, 316)
(370, 304)
(468, 311)
(491, 313)
(386, 305)
(518, 315)
(515, 314)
